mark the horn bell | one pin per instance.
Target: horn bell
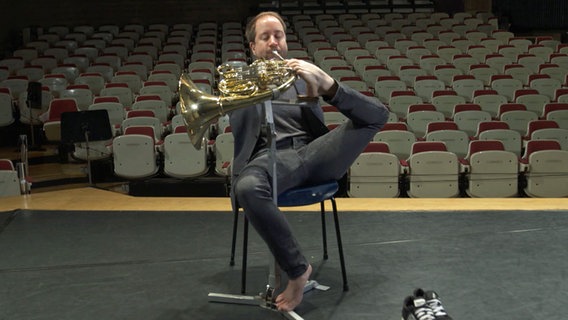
(199, 109)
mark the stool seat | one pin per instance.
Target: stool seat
(303, 196)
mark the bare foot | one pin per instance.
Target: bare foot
(291, 297)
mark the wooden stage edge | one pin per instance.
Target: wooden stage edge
(88, 198)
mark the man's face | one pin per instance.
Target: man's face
(269, 36)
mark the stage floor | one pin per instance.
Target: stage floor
(127, 264)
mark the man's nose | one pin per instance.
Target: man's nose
(272, 41)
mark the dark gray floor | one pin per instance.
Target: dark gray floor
(162, 265)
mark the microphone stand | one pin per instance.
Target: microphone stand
(266, 300)
(86, 131)
(33, 147)
(23, 166)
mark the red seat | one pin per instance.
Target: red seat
(510, 107)
(60, 105)
(539, 145)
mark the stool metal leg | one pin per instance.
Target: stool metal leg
(323, 230)
(245, 254)
(234, 243)
(339, 245)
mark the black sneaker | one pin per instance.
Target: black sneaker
(416, 309)
(433, 302)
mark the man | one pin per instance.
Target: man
(306, 154)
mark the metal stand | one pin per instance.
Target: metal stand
(23, 167)
(85, 126)
(89, 173)
(34, 101)
(266, 299)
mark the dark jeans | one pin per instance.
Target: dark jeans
(323, 159)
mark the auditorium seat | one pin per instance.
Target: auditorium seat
(375, 173)
(557, 112)
(159, 88)
(434, 43)
(383, 53)
(32, 73)
(445, 72)
(409, 73)
(466, 85)
(52, 126)
(503, 35)
(399, 139)
(181, 159)
(223, 152)
(157, 106)
(81, 93)
(433, 171)
(448, 52)
(547, 130)
(468, 116)
(498, 61)
(492, 172)
(554, 71)
(541, 51)
(516, 116)
(120, 90)
(530, 61)
(116, 114)
(532, 99)
(456, 140)
(95, 81)
(505, 85)
(7, 114)
(16, 84)
(134, 153)
(9, 180)
(445, 100)
(483, 72)
(418, 117)
(372, 72)
(545, 167)
(362, 62)
(417, 52)
(544, 84)
(509, 51)
(560, 59)
(489, 100)
(518, 71)
(463, 61)
(425, 86)
(400, 100)
(522, 43)
(499, 130)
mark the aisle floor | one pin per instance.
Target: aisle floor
(162, 265)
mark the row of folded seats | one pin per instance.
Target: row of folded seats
(139, 92)
(206, 54)
(85, 63)
(487, 171)
(379, 61)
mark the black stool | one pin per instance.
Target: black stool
(300, 196)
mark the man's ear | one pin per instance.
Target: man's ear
(252, 47)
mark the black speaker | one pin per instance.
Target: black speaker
(34, 95)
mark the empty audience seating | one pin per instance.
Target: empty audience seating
(469, 89)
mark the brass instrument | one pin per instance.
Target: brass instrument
(239, 86)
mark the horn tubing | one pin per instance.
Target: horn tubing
(199, 109)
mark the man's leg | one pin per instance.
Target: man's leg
(253, 191)
(330, 156)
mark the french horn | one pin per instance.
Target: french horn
(240, 87)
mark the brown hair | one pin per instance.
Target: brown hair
(250, 31)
